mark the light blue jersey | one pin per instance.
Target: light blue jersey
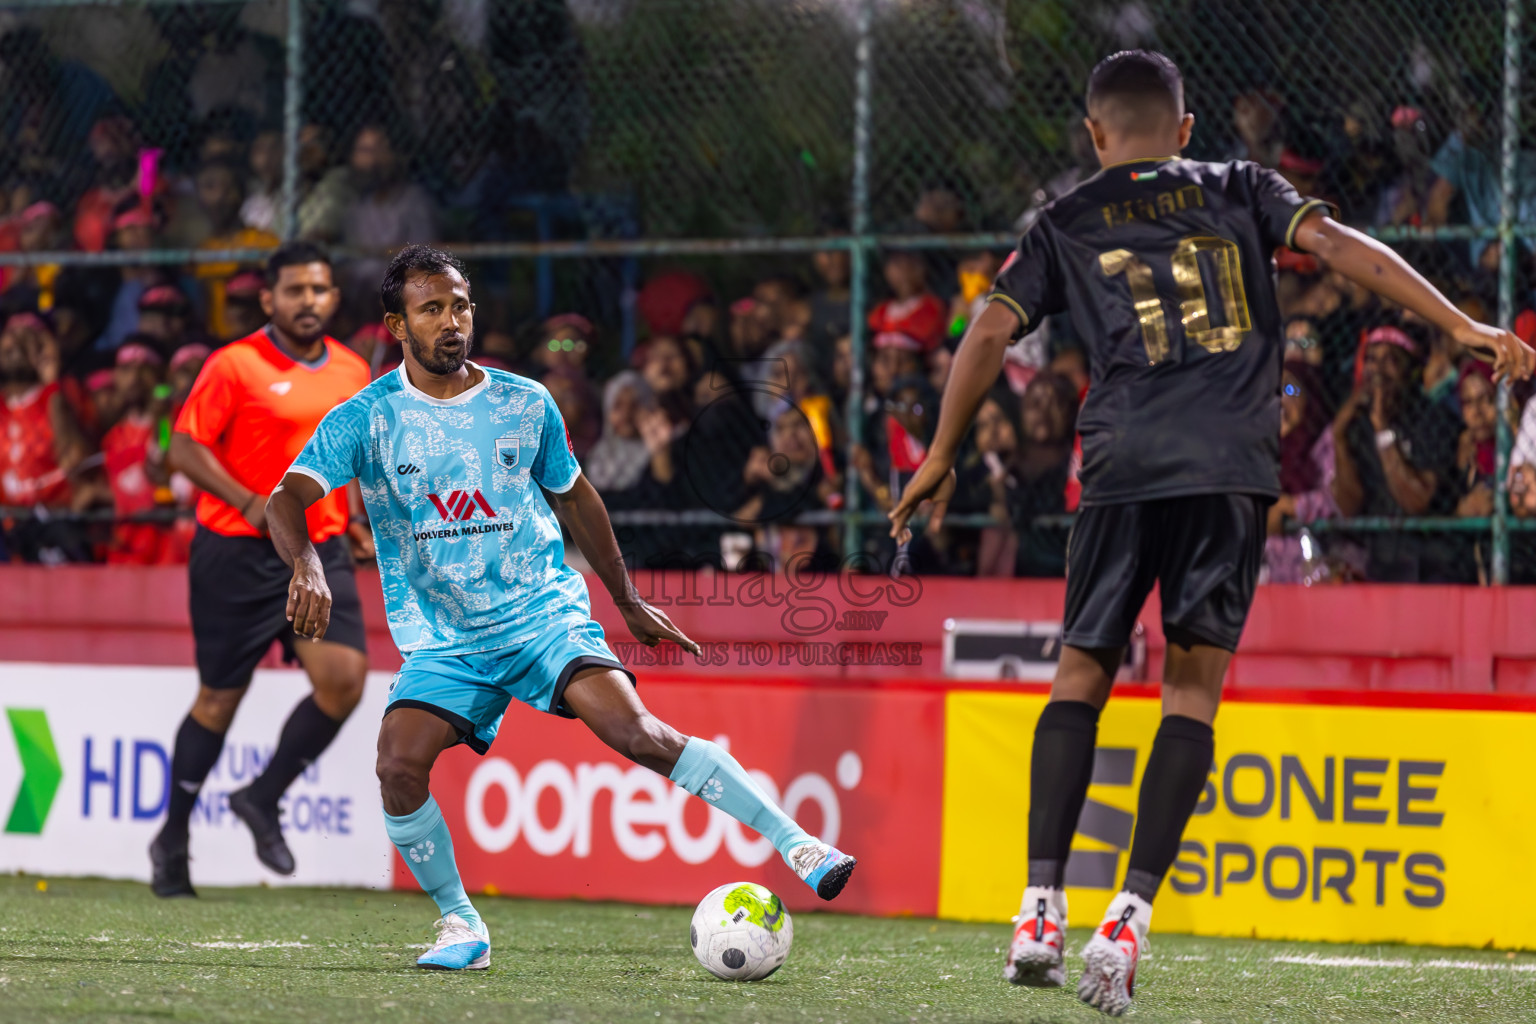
(469, 549)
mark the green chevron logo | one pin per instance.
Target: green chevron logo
(40, 770)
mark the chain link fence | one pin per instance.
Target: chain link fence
(581, 151)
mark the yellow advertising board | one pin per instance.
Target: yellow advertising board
(1334, 823)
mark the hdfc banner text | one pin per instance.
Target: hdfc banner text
(1345, 824)
(552, 812)
(85, 755)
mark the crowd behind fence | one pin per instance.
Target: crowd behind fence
(740, 240)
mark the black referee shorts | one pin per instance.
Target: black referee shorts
(239, 591)
(1204, 550)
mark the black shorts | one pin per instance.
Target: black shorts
(1204, 551)
(239, 592)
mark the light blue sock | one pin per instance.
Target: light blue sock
(423, 840)
(707, 770)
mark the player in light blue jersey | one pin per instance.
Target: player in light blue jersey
(456, 463)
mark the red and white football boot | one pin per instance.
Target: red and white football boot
(1109, 960)
(1039, 933)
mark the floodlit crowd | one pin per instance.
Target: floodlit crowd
(734, 403)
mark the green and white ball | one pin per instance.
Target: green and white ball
(741, 932)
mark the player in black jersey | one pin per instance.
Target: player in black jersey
(1166, 268)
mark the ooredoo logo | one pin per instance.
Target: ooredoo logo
(40, 770)
(461, 505)
(646, 811)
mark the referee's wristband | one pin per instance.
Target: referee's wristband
(247, 504)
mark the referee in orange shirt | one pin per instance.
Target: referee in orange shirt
(253, 407)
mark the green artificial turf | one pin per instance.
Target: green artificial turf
(109, 951)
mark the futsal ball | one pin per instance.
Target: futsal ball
(741, 932)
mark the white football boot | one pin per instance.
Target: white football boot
(1039, 935)
(822, 867)
(1108, 980)
(459, 947)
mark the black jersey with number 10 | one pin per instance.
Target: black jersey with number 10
(1167, 270)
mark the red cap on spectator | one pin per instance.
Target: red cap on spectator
(896, 339)
(28, 319)
(164, 297)
(1389, 335)
(138, 355)
(1406, 117)
(100, 380)
(136, 217)
(37, 211)
(247, 285)
(741, 307)
(665, 300)
(1290, 160)
(189, 353)
(575, 321)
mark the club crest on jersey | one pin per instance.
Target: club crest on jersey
(508, 451)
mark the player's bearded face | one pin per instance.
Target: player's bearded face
(444, 354)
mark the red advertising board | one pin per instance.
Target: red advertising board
(552, 812)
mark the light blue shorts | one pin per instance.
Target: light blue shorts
(471, 691)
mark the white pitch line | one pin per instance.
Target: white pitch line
(1313, 960)
(265, 944)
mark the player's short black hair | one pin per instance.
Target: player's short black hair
(1130, 90)
(293, 254)
(423, 259)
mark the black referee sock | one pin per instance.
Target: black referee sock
(1170, 789)
(1060, 768)
(197, 751)
(305, 736)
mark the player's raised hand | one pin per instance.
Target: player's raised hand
(934, 481)
(651, 626)
(1512, 358)
(309, 599)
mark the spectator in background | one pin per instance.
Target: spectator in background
(1395, 455)
(264, 193)
(133, 452)
(48, 107)
(1043, 478)
(618, 460)
(326, 192)
(243, 314)
(939, 210)
(1302, 343)
(828, 305)
(564, 343)
(912, 310)
(165, 319)
(1071, 362)
(220, 194)
(1476, 449)
(1306, 479)
(974, 275)
(41, 443)
(1411, 198)
(784, 479)
(134, 228)
(579, 406)
(389, 212)
(1256, 122)
(186, 363)
(982, 481)
(37, 228)
(114, 147)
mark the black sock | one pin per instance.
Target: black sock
(1170, 789)
(305, 736)
(1060, 768)
(197, 751)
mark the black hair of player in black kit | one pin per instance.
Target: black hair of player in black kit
(414, 259)
(1129, 91)
(293, 254)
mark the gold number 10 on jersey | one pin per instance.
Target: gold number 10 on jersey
(1194, 306)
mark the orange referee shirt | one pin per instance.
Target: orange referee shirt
(255, 407)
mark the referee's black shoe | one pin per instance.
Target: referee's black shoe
(267, 829)
(169, 876)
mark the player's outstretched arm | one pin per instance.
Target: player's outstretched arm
(1376, 267)
(582, 510)
(977, 363)
(309, 596)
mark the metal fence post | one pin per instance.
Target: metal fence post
(292, 87)
(858, 271)
(1507, 242)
